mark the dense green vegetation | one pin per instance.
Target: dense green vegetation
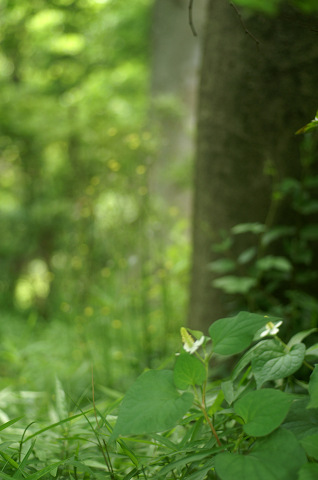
(95, 270)
(85, 275)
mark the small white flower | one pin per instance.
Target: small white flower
(189, 344)
(271, 329)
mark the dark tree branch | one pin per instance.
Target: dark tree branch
(191, 19)
(244, 26)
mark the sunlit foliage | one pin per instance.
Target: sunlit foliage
(80, 241)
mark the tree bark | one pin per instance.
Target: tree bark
(252, 99)
(175, 65)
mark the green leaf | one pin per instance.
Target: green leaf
(276, 233)
(10, 422)
(10, 460)
(224, 265)
(310, 445)
(231, 284)
(309, 207)
(309, 232)
(314, 123)
(277, 457)
(248, 228)
(181, 462)
(300, 420)
(228, 390)
(272, 362)
(274, 263)
(313, 389)
(299, 337)
(245, 360)
(234, 334)
(312, 351)
(188, 371)
(247, 255)
(5, 476)
(263, 410)
(151, 405)
(45, 470)
(309, 471)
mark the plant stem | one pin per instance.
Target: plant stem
(308, 365)
(206, 416)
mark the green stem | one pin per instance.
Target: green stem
(308, 365)
(206, 416)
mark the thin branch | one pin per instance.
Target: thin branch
(191, 19)
(244, 26)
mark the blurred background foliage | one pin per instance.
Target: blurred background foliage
(94, 202)
(87, 277)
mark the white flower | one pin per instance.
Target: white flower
(271, 329)
(189, 344)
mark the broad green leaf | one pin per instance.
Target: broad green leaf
(309, 471)
(248, 228)
(188, 371)
(228, 390)
(232, 284)
(300, 420)
(276, 457)
(151, 405)
(274, 263)
(276, 233)
(217, 402)
(313, 389)
(272, 362)
(299, 337)
(224, 265)
(232, 335)
(245, 360)
(197, 334)
(263, 410)
(312, 351)
(310, 444)
(247, 255)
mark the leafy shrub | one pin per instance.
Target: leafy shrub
(277, 271)
(261, 422)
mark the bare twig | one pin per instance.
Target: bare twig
(244, 26)
(191, 19)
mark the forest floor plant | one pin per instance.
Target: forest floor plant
(181, 423)
(277, 271)
(261, 423)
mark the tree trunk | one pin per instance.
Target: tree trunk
(174, 84)
(252, 99)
